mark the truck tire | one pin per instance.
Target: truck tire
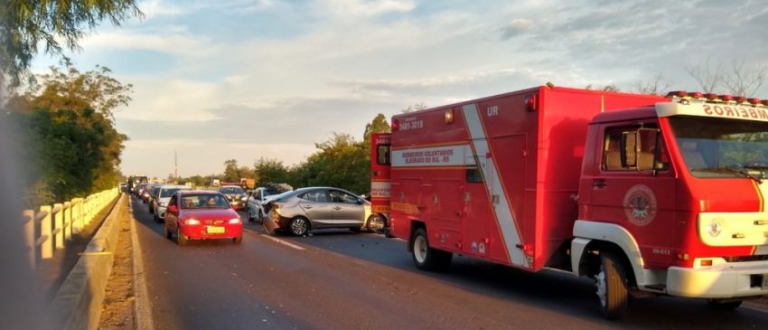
(612, 284)
(724, 305)
(425, 257)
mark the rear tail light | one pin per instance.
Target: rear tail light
(706, 262)
(395, 125)
(531, 103)
(192, 222)
(235, 221)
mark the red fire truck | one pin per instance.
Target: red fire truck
(644, 194)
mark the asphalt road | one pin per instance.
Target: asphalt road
(340, 280)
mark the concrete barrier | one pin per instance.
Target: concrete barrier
(77, 305)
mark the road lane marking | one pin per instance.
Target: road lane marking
(279, 241)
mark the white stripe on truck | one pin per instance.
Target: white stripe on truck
(502, 210)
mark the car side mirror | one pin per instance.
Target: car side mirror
(173, 209)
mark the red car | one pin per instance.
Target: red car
(202, 215)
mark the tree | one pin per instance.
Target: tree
(740, 78)
(658, 85)
(76, 147)
(29, 26)
(231, 171)
(378, 125)
(606, 88)
(270, 170)
(71, 89)
(415, 107)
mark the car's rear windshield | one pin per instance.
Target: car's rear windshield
(232, 190)
(168, 192)
(204, 201)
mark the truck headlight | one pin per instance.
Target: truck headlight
(714, 228)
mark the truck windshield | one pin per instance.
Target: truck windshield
(722, 148)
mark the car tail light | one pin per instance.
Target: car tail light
(235, 221)
(706, 262)
(192, 222)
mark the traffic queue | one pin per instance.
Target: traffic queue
(212, 213)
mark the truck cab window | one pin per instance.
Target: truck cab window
(646, 148)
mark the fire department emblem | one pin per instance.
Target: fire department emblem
(640, 205)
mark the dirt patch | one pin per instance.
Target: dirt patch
(117, 309)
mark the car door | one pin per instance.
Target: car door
(316, 205)
(348, 210)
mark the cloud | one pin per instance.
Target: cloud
(516, 27)
(267, 72)
(357, 9)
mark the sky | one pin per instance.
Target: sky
(243, 79)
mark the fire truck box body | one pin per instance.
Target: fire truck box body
(564, 178)
(498, 182)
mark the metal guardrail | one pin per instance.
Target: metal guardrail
(48, 229)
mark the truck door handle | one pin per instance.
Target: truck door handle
(599, 183)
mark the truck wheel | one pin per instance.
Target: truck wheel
(612, 287)
(425, 257)
(375, 224)
(724, 305)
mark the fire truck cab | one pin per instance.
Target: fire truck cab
(643, 194)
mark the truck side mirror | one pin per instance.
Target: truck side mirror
(629, 149)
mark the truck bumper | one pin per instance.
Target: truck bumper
(721, 281)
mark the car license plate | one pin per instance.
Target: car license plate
(215, 230)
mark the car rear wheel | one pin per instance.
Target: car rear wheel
(425, 257)
(724, 305)
(181, 239)
(612, 290)
(298, 226)
(238, 239)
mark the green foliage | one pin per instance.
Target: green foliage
(231, 171)
(270, 171)
(28, 27)
(76, 146)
